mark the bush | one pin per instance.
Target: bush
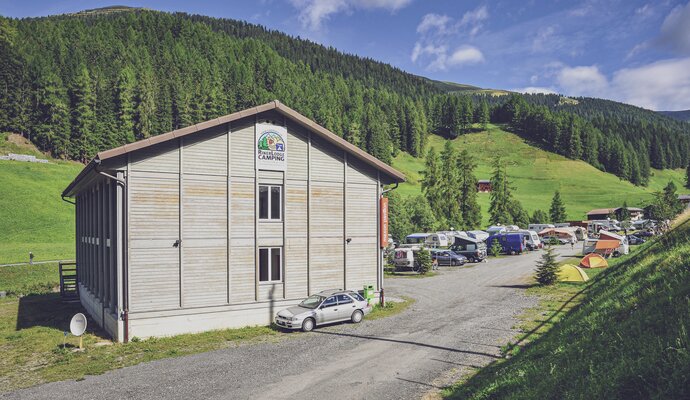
(547, 268)
(424, 261)
(496, 248)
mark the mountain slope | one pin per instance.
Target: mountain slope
(536, 174)
(628, 339)
(679, 115)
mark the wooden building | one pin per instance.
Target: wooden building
(222, 223)
(483, 186)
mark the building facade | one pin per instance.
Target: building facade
(222, 223)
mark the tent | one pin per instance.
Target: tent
(560, 233)
(593, 260)
(571, 273)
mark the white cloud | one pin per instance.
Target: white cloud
(675, 30)
(313, 13)
(435, 34)
(535, 89)
(465, 55)
(582, 81)
(436, 22)
(542, 39)
(662, 85)
(474, 20)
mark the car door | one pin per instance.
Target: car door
(346, 306)
(443, 258)
(328, 311)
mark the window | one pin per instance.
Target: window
(330, 302)
(357, 297)
(270, 202)
(270, 264)
(344, 299)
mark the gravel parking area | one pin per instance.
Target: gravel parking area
(460, 319)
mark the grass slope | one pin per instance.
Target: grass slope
(536, 174)
(32, 214)
(627, 339)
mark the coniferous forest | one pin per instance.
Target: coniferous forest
(76, 84)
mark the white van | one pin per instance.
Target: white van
(532, 239)
(432, 240)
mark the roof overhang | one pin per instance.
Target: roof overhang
(393, 175)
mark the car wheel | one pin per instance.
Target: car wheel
(308, 325)
(356, 317)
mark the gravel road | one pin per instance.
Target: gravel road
(459, 321)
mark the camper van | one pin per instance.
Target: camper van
(473, 249)
(428, 239)
(539, 227)
(532, 239)
(496, 229)
(404, 258)
(512, 243)
(479, 235)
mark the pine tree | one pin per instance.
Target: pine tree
(501, 196)
(557, 210)
(52, 131)
(431, 184)
(687, 176)
(422, 219)
(469, 206)
(624, 213)
(84, 144)
(145, 105)
(125, 93)
(398, 216)
(547, 268)
(449, 181)
(496, 249)
(539, 217)
(484, 115)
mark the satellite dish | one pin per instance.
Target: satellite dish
(78, 324)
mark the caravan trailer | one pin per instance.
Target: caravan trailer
(432, 240)
(539, 227)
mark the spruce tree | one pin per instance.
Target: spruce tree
(431, 184)
(484, 115)
(469, 206)
(624, 213)
(557, 210)
(687, 176)
(501, 196)
(547, 268)
(539, 217)
(125, 94)
(84, 144)
(449, 189)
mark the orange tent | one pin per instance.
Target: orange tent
(593, 260)
(606, 247)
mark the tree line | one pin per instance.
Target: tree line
(78, 84)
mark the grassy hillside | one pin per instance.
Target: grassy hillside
(628, 339)
(32, 215)
(536, 174)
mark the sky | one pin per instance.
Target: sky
(637, 52)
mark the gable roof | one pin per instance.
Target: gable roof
(330, 137)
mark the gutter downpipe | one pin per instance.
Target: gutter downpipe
(382, 299)
(122, 312)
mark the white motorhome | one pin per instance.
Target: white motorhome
(494, 229)
(532, 239)
(539, 227)
(428, 239)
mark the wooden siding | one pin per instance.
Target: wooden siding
(242, 206)
(242, 271)
(295, 268)
(163, 158)
(361, 264)
(205, 275)
(297, 148)
(326, 219)
(242, 148)
(326, 265)
(361, 206)
(327, 164)
(207, 153)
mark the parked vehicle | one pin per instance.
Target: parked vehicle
(633, 239)
(512, 243)
(644, 234)
(479, 235)
(532, 239)
(553, 240)
(539, 227)
(428, 239)
(448, 257)
(404, 258)
(323, 308)
(496, 229)
(473, 249)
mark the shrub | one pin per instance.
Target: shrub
(547, 268)
(424, 261)
(496, 248)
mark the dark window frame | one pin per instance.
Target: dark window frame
(269, 206)
(269, 251)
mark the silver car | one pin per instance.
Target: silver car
(324, 308)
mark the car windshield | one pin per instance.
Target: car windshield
(312, 301)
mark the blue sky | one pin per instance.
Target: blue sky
(632, 51)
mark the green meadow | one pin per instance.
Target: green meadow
(536, 174)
